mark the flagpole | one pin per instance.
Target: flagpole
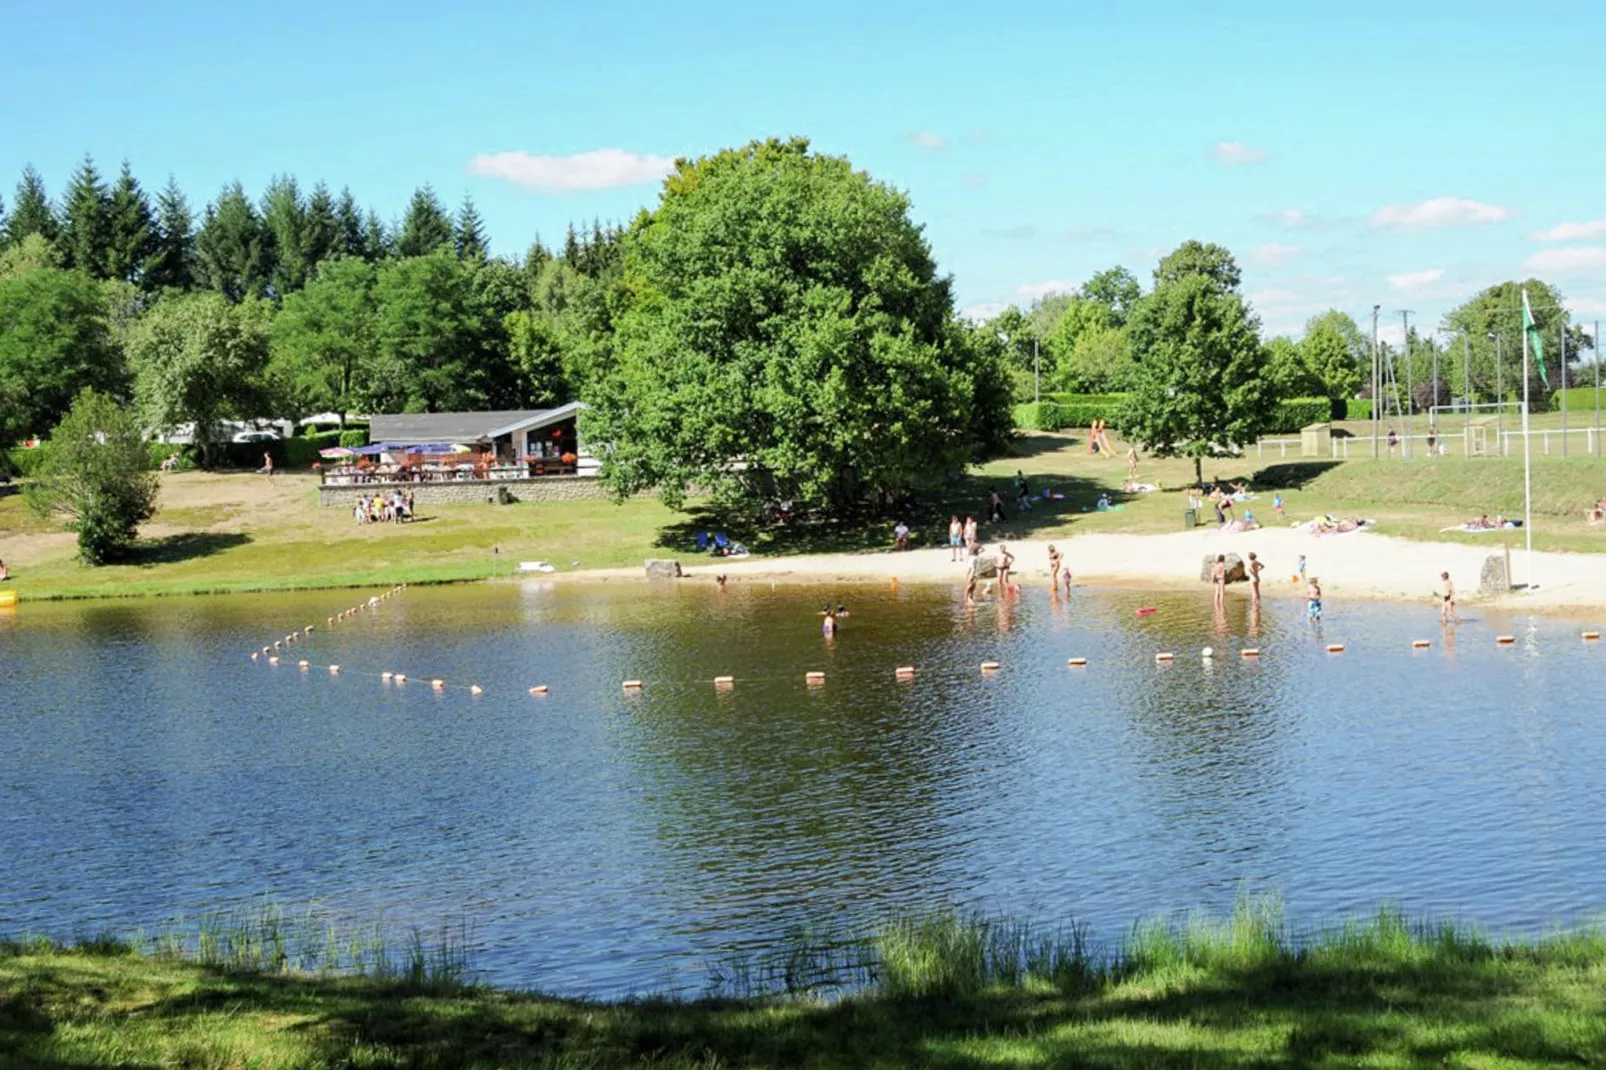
(1527, 462)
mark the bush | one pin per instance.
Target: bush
(157, 452)
(24, 463)
(1057, 411)
(1294, 414)
(96, 478)
(1579, 399)
(1357, 409)
(353, 438)
(1038, 416)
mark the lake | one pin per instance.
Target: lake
(599, 842)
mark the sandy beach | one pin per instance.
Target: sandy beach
(1358, 564)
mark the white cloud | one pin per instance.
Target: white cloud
(1390, 333)
(1275, 253)
(1578, 258)
(1287, 218)
(1439, 212)
(1415, 281)
(1588, 306)
(928, 141)
(600, 169)
(1236, 153)
(1271, 297)
(1031, 291)
(1595, 228)
(984, 311)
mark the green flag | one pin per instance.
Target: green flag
(1531, 329)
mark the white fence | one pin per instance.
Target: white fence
(1504, 443)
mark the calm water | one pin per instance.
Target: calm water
(600, 843)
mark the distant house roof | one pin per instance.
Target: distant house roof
(461, 426)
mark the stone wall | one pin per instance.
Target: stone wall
(470, 491)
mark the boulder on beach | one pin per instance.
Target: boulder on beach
(662, 568)
(1235, 568)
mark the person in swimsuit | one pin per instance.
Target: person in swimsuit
(1313, 599)
(1447, 610)
(1255, 568)
(971, 530)
(956, 537)
(1006, 561)
(828, 623)
(1218, 577)
(1054, 560)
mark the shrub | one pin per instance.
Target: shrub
(1293, 414)
(24, 463)
(1579, 399)
(1038, 416)
(1357, 409)
(95, 478)
(157, 452)
(1062, 410)
(354, 438)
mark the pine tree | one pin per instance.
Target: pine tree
(31, 212)
(85, 232)
(284, 215)
(131, 232)
(349, 224)
(2, 222)
(234, 250)
(376, 240)
(470, 232)
(322, 234)
(426, 226)
(571, 248)
(172, 263)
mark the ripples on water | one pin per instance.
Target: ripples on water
(600, 843)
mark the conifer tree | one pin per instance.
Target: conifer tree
(2, 222)
(172, 263)
(322, 230)
(284, 217)
(131, 230)
(349, 225)
(426, 226)
(30, 211)
(234, 250)
(85, 232)
(376, 238)
(470, 232)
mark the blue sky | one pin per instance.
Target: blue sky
(1350, 154)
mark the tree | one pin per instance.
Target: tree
(377, 241)
(33, 251)
(234, 251)
(786, 333)
(1199, 258)
(1078, 317)
(1334, 352)
(284, 216)
(1286, 371)
(470, 234)
(131, 240)
(349, 225)
(1496, 313)
(172, 262)
(536, 354)
(322, 228)
(199, 359)
(1117, 290)
(86, 232)
(324, 338)
(1199, 386)
(428, 334)
(95, 477)
(1100, 361)
(426, 226)
(30, 210)
(54, 341)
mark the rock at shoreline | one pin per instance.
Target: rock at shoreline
(663, 569)
(1235, 568)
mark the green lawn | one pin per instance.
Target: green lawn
(949, 994)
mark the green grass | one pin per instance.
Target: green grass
(951, 992)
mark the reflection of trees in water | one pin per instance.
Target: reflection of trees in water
(770, 792)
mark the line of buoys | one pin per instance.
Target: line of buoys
(1165, 655)
(1421, 644)
(989, 666)
(814, 677)
(1250, 652)
(1335, 648)
(1505, 640)
(1076, 662)
(632, 685)
(538, 689)
(1591, 635)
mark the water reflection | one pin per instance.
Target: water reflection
(601, 841)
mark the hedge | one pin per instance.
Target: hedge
(1579, 399)
(1357, 409)
(1294, 414)
(1057, 411)
(25, 463)
(354, 439)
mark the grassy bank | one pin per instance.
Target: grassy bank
(947, 993)
(219, 532)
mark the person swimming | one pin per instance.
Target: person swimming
(828, 624)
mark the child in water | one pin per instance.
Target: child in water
(1313, 599)
(828, 624)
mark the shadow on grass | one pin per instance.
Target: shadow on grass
(171, 549)
(1294, 475)
(1450, 1005)
(927, 515)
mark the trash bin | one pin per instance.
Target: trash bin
(1190, 519)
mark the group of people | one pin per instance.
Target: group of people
(831, 619)
(381, 508)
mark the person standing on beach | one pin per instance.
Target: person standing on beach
(1447, 610)
(1054, 560)
(1218, 577)
(956, 537)
(1006, 561)
(1255, 568)
(972, 530)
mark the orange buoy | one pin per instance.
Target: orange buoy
(904, 671)
(989, 666)
(1505, 640)
(1250, 652)
(1165, 656)
(724, 681)
(1421, 644)
(1335, 648)
(1077, 662)
(538, 689)
(1591, 635)
(814, 677)
(632, 685)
